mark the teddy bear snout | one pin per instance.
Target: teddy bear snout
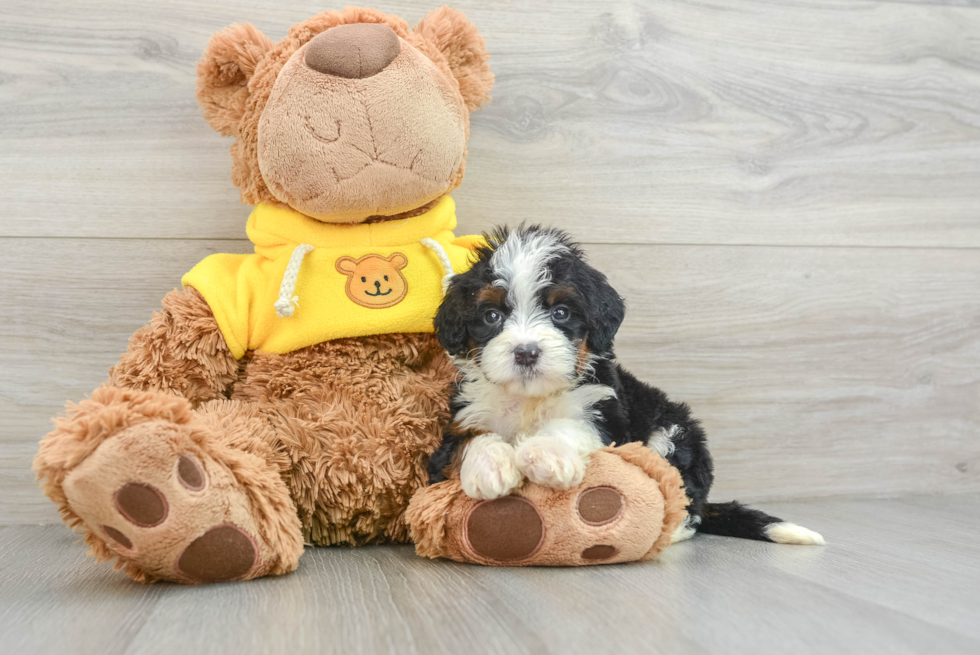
(354, 51)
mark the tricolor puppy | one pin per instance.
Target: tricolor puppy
(531, 329)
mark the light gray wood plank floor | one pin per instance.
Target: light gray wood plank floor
(898, 576)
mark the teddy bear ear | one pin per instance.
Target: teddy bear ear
(465, 50)
(346, 265)
(223, 73)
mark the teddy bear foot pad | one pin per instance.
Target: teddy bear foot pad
(511, 529)
(626, 508)
(165, 493)
(171, 512)
(223, 552)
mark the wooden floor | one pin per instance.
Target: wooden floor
(898, 576)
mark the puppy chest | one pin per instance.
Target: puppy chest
(513, 417)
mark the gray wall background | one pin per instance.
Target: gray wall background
(787, 192)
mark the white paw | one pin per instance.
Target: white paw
(551, 462)
(685, 530)
(790, 533)
(489, 471)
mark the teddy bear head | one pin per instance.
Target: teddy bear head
(351, 117)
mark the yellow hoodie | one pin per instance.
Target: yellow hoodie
(310, 282)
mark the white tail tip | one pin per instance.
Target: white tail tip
(790, 533)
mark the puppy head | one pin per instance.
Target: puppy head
(531, 314)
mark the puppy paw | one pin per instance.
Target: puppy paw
(488, 469)
(550, 462)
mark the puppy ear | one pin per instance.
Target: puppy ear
(609, 312)
(223, 74)
(451, 320)
(465, 50)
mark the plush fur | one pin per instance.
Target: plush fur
(531, 328)
(193, 466)
(240, 71)
(346, 427)
(653, 507)
(326, 444)
(92, 450)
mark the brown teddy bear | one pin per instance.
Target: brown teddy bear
(294, 395)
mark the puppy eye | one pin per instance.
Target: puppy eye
(363, 279)
(560, 313)
(492, 317)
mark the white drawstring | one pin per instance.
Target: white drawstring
(284, 306)
(447, 265)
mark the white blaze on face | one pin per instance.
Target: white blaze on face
(520, 265)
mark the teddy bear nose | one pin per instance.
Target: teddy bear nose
(353, 51)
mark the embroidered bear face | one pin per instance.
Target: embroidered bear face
(374, 281)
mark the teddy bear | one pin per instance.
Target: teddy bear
(292, 396)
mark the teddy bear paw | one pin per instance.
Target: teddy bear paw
(625, 508)
(167, 509)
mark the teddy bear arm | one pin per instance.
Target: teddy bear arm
(181, 351)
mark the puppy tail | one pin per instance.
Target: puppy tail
(736, 520)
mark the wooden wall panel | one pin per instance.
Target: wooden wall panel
(786, 192)
(737, 122)
(817, 371)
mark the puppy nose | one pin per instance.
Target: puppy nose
(526, 354)
(353, 51)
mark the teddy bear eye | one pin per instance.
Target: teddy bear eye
(363, 279)
(386, 278)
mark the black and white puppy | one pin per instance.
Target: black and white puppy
(530, 327)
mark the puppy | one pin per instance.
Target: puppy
(530, 327)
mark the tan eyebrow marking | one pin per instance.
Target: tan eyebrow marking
(560, 293)
(492, 295)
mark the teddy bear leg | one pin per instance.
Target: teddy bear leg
(169, 492)
(627, 507)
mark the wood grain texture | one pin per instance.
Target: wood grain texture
(796, 183)
(898, 576)
(785, 192)
(726, 121)
(817, 371)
